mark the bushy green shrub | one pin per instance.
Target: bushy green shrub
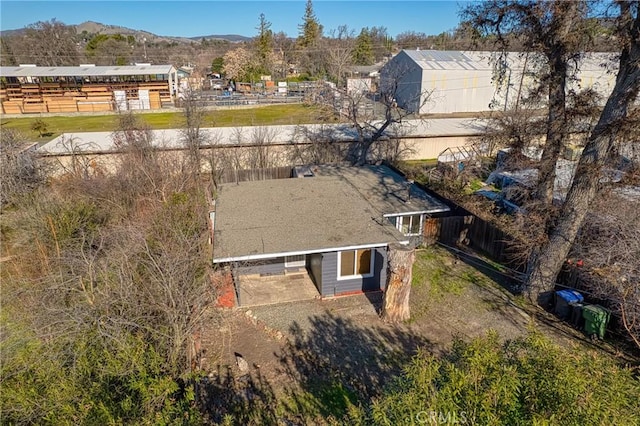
(521, 382)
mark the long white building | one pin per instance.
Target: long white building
(433, 81)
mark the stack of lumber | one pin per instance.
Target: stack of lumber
(3, 96)
(99, 98)
(62, 103)
(89, 106)
(12, 107)
(31, 99)
(154, 100)
(160, 87)
(33, 105)
(30, 91)
(60, 99)
(13, 92)
(76, 96)
(51, 89)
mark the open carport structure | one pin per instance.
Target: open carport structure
(86, 88)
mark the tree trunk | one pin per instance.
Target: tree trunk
(556, 127)
(395, 306)
(547, 265)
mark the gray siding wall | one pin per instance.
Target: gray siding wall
(331, 286)
(314, 264)
(264, 267)
(267, 267)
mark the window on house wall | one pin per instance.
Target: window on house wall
(355, 263)
(297, 261)
(409, 225)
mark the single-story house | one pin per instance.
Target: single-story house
(333, 223)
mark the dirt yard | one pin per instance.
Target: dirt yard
(316, 356)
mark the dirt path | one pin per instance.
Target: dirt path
(318, 353)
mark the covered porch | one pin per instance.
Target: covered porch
(257, 290)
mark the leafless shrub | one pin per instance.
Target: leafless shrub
(20, 172)
(609, 245)
(317, 145)
(81, 163)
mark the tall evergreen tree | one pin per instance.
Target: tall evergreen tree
(265, 37)
(363, 52)
(310, 30)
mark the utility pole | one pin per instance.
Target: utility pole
(144, 46)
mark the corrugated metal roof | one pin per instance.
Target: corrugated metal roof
(85, 71)
(444, 60)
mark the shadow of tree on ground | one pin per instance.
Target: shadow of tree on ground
(506, 279)
(341, 362)
(246, 400)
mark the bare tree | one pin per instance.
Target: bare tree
(148, 167)
(372, 125)
(78, 160)
(20, 171)
(262, 152)
(193, 137)
(216, 158)
(339, 53)
(609, 246)
(611, 125)
(317, 145)
(48, 43)
(558, 31)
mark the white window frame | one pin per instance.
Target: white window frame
(355, 265)
(295, 263)
(399, 220)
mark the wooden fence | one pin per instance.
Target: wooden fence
(230, 176)
(471, 231)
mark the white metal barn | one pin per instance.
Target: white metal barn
(433, 81)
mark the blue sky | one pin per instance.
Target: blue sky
(196, 18)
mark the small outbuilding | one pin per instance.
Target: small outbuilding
(333, 226)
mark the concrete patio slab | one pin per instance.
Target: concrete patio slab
(256, 290)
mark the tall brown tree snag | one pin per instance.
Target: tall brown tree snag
(547, 264)
(395, 306)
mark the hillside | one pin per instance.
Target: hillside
(91, 27)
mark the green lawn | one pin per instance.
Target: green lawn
(258, 116)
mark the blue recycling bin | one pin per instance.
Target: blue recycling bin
(563, 301)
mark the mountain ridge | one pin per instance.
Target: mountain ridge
(93, 27)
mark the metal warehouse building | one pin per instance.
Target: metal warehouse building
(86, 88)
(433, 81)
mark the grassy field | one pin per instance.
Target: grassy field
(258, 116)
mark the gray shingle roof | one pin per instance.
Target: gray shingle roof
(385, 190)
(262, 219)
(338, 207)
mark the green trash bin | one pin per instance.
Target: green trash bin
(596, 319)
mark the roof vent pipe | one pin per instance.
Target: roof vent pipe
(409, 184)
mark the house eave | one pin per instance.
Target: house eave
(262, 256)
(432, 211)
